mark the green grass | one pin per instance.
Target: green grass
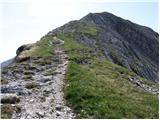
(101, 90)
(44, 47)
(88, 30)
(69, 43)
(77, 51)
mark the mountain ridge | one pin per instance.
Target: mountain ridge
(122, 35)
(84, 70)
(121, 19)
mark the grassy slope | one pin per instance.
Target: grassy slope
(101, 89)
(98, 89)
(44, 47)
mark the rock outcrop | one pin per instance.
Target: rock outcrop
(24, 52)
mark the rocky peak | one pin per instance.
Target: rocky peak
(122, 41)
(104, 19)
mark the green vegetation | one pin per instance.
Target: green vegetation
(101, 90)
(89, 30)
(116, 56)
(77, 51)
(44, 47)
(69, 43)
(96, 88)
(6, 111)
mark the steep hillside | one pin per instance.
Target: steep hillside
(98, 67)
(97, 88)
(121, 41)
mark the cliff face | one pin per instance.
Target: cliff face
(121, 41)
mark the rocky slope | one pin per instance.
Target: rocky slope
(37, 83)
(121, 41)
(79, 71)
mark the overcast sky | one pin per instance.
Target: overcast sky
(26, 21)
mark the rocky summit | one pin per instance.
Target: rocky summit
(100, 66)
(121, 41)
(127, 44)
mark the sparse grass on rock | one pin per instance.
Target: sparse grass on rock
(31, 85)
(4, 81)
(29, 73)
(28, 77)
(10, 99)
(6, 111)
(44, 47)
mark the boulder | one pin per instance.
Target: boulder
(23, 48)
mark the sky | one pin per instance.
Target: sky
(26, 21)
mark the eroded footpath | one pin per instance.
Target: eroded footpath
(37, 84)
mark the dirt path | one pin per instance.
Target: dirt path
(42, 97)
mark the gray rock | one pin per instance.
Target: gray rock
(58, 113)
(59, 108)
(122, 42)
(23, 48)
(18, 89)
(40, 114)
(141, 84)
